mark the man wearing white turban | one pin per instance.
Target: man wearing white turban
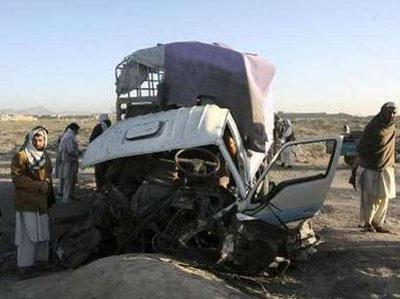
(101, 168)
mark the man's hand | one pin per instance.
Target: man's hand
(44, 187)
(353, 177)
(352, 181)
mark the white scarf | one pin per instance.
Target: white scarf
(36, 158)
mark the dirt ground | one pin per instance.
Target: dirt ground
(350, 264)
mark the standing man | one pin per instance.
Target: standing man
(278, 131)
(31, 175)
(374, 168)
(57, 167)
(69, 153)
(346, 130)
(100, 169)
(287, 155)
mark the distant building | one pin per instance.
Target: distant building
(17, 117)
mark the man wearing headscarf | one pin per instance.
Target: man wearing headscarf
(277, 133)
(100, 169)
(287, 155)
(374, 169)
(31, 174)
(68, 161)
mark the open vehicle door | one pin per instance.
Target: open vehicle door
(285, 194)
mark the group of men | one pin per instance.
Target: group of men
(31, 171)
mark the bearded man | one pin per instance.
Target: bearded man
(375, 168)
(31, 174)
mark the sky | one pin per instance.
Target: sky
(332, 56)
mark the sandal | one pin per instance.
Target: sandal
(368, 228)
(380, 229)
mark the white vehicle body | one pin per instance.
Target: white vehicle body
(199, 126)
(171, 130)
(187, 164)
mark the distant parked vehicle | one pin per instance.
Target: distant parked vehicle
(349, 145)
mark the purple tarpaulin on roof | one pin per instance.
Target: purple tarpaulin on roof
(239, 82)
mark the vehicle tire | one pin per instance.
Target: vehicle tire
(349, 160)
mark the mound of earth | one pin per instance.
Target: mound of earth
(126, 276)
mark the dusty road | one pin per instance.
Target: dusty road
(351, 263)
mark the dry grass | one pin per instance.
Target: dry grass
(326, 126)
(330, 126)
(13, 132)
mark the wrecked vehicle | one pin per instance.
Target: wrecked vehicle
(187, 173)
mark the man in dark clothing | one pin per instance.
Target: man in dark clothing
(100, 169)
(373, 171)
(104, 124)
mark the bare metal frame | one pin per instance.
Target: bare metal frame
(145, 94)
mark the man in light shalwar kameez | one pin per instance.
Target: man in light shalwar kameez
(287, 155)
(57, 166)
(68, 161)
(31, 174)
(373, 172)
